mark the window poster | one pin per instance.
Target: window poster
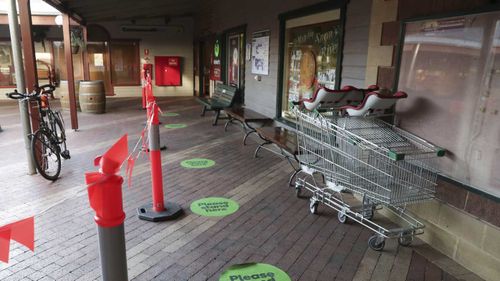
(234, 60)
(311, 53)
(98, 59)
(260, 52)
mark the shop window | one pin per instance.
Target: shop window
(450, 68)
(311, 56)
(6, 65)
(61, 71)
(125, 70)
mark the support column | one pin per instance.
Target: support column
(86, 70)
(30, 73)
(69, 66)
(21, 86)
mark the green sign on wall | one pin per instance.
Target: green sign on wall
(214, 207)
(254, 272)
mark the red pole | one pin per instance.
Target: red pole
(146, 79)
(155, 158)
(158, 210)
(105, 197)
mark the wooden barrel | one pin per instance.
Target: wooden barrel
(92, 96)
(62, 93)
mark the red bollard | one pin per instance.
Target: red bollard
(158, 210)
(146, 83)
(105, 196)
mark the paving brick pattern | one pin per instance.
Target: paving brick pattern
(271, 226)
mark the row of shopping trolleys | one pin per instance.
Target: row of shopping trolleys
(364, 158)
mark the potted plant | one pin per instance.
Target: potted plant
(76, 40)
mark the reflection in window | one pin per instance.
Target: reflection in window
(125, 68)
(311, 52)
(6, 65)
(451, 70)
(60, 63)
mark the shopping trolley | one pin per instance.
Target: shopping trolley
(380, 164)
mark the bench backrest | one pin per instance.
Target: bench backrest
(225, 95)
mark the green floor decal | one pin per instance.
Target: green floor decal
(197, 163)
(170, 114)
(175, 126)
(254, 271)
(214, 207)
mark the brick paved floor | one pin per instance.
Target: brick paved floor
(271, 226)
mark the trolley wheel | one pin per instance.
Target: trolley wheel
(298, 191)
(406, 240)
(313, 206)
(376, 243)
(342, 216)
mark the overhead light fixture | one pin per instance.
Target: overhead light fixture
(59, 20)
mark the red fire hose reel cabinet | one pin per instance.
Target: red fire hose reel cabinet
(168, 71)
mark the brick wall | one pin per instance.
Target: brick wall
(215, 16)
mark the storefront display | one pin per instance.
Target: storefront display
(311, 57)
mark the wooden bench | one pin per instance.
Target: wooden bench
(223, 97)
(284, 139)
(245, 116)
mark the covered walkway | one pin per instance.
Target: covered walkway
(271, 226)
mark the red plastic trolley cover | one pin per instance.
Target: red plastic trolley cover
(168, 71)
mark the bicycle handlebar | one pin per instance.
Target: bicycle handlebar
(16, 95)
(47, 88)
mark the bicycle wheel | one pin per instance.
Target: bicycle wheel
(46, 155)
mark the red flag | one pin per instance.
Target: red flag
(22, 231)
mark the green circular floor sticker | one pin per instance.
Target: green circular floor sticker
(175, 126)
(197, 163)
(214, 207)
(170, 114)
(254, 272)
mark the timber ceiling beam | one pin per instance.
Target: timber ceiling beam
(37, 20)
(62, 7)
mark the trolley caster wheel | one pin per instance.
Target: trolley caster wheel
(376, 243)
(406, 240)
(298, 192)
(342, 217)
(313, 207)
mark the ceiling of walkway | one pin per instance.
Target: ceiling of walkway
(117, 10)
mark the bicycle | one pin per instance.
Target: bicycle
(48, 143)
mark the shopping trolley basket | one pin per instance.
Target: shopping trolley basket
(371, 159)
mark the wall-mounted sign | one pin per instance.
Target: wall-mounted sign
(215, 65)
(260, 52)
